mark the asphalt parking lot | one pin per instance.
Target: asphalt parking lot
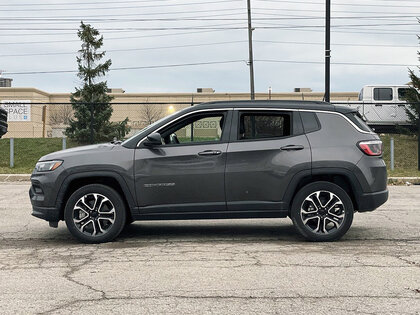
(215, 267)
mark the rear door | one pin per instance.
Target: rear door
(267, 148)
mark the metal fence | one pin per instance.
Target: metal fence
(400, 153)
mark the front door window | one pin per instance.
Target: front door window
(201, 128)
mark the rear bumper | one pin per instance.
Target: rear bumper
(371, 201)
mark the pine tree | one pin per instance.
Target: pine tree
(413, 98)
(413, 108)
(90, 102)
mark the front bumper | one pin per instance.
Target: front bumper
(48, 214)
(43, 195)
(371, 201)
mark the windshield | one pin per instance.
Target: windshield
(149, 127)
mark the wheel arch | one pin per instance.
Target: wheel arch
(341, 177)
(107, 178)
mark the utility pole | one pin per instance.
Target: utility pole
(327, 48)
(251, 58)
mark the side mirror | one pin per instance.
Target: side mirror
(153, 139)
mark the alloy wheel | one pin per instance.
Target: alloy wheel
(94, 214)
(322, 212)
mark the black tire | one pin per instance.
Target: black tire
(318, 232)
(111, 200)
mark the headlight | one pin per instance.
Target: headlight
(47, 166)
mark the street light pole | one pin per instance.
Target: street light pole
(327, 49)
(251, 58)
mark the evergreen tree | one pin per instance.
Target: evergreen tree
(90, 102)
(413, 97)
(413, 108)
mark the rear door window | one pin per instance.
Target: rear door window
(264, 125)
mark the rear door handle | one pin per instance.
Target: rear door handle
(292, 147)
(210, 152)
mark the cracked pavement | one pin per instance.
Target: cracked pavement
(212, 266)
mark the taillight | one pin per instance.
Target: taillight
(372, 147)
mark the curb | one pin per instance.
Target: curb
(404, 181)
(391, 180)
(15, 177)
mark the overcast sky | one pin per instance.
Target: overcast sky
(41, 36)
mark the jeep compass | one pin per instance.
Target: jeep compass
(311, 161)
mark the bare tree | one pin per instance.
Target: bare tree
(60, 114)
(150, 113)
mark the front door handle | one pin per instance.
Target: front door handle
(292, 147)
(210, 152)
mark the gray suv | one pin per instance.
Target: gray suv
(311, 161)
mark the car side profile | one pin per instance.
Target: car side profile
(311, 161)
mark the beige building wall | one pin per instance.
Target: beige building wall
(136, 113)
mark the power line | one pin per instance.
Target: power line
(133, 1)
(226, 1)
(212, 44)
(196, 18)
(120, 7)
(110, 38)
(142, 14)
(77, 3)
(78, 17)
(335, 44)
(133, 68)
(218, 62)
(333, 11)
(203, 27)
(129, 49)
(188, 33)
(339, 63)
(343, 4)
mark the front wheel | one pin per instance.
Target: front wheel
(95, 214)
(322, 211)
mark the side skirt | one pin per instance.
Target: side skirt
(211, 215)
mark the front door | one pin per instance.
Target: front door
(185, 173)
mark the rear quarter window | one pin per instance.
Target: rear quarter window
(358, 120)
(310, 122)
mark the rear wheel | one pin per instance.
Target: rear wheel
(322, 211)
(95, 214)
